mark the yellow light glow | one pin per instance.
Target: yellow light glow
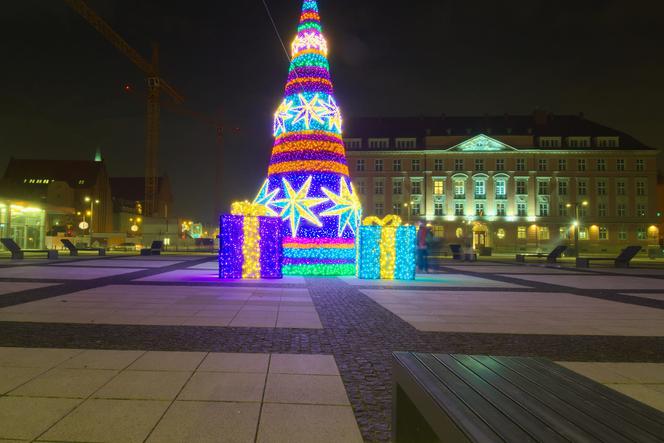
(251, 267)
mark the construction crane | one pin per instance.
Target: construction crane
(155, 84)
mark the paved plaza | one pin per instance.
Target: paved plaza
(159, 349)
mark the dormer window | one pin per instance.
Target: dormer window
(379, 143)
(578, 142)
(549, 142)
(353, 143)
(607, 142)
(405, 143)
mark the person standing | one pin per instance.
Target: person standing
(423, 248)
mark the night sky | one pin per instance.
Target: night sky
(61, 82)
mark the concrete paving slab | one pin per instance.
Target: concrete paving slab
(9, 287)
(120, 262)
(586, 281)
(209, 276)
(437, 280)
(25, 418)
(62, 272)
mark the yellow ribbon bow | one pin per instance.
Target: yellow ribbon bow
(248, 208)
(390, 220)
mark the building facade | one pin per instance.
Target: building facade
(510, 183)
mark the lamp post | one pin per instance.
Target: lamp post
(92, 203)
(576, 224)
(406, 205)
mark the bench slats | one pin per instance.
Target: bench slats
(528, 401)
(508, 406)
(603, 412)
(501, 425)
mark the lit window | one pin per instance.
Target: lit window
(438, 231)
(500, 233)
(416, 187)
(521, 232)
(459, 189)
(603, 233)
(479, 209)
(501, 191)
(459, 232)
(583, 234)
(480, 188)
(544, 233)
(438, 187)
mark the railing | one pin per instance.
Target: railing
(460, 196)
(480, 196)
(501, 196)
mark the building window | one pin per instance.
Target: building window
(479, 164)
(521, 232)
(459, 232)
(479, 209)
(438, 187)
(582, 188)
(438, 231)
(544, 233)
(601, 187)
(578, 142)
(379, 187)
(416, 187)
(458, 164)
(640, 165)
(521, 187)
(641, 210)
(542, 187)
(581, 164)
(607, 142)
(640, 188)
(501, 191)
(500, 233)
(620, 188)
(396, 165)
(543, 209)
(562, 165)
(396, 208)
(397, 187)
(520, 164)
(562, 187)
(379, 208)
(542, 164)
(641, 234)
(378, 165)
(438, 164)
(438, 209)
(500, 164)
(405, 143)
(353, 143)
(359, 165)
(601, 209)
(377, 143)
(620, 164)
(621, 210)
(480, 188)
(360, 187)
(415, 209)
(562, 209)
(550, 142)
(458, 208)
(601, 164)
(622, 234)
(583, 211)
(459, 189)
(603, 233)
(521, 209)
(415, 165)
(500, 210)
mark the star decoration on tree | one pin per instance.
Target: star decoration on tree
(310, 40)
(265, 198)
(308, 110)
(346, 205)
(296, 205)
(331, 112)
(282, 115)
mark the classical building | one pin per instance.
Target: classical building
(511, 183)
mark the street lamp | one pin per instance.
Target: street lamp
(91, 212)
(576, 224)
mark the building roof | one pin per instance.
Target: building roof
(131, 188)
(536, 124)
(77, 173)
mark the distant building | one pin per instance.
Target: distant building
(74, 184)
(508, 182)
(129, 195)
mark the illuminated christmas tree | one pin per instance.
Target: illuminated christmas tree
(308, 183)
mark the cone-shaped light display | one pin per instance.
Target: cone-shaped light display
(308, 184)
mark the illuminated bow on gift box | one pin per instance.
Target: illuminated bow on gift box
(388, 252)
(389, 220)
(248, 209)
(251, 250)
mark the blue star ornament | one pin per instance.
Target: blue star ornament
(296, 205)
(346, 206)
(265, 198)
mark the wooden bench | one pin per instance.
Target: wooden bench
(18, 253)
(551, 257)
(472, 398)
(154, 249)
(621, 261)
(73, 250)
